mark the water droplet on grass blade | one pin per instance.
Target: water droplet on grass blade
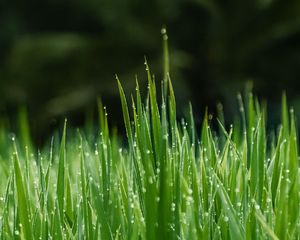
(150, 180)
(173, 207)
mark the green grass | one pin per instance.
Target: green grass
(168, 181)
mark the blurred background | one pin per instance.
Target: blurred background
(57, 57)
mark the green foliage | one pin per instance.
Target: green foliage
(163, 183)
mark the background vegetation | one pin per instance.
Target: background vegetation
(56, 57)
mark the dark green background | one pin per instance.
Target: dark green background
(57, 56)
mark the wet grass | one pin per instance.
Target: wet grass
(169, 181)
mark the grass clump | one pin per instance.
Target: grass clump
(166, 182)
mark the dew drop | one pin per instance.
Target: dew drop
(150, 180)
(173, 205)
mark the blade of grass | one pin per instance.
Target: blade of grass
(61, 175)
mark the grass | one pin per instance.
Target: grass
(169, 181)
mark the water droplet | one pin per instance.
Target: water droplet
(173, 207)
(189, 200)
(150, 180)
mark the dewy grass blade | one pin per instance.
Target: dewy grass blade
(236, 229)
(155, 118)
(6, 232)
(166, 61)
(125, 113)
(260, 160)
(69, 211)
(293, 162)
(265, 226)
(285, 116)
(61, 175)
(22, 198)
(84, 195)
(132, 144)
(276, 167)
